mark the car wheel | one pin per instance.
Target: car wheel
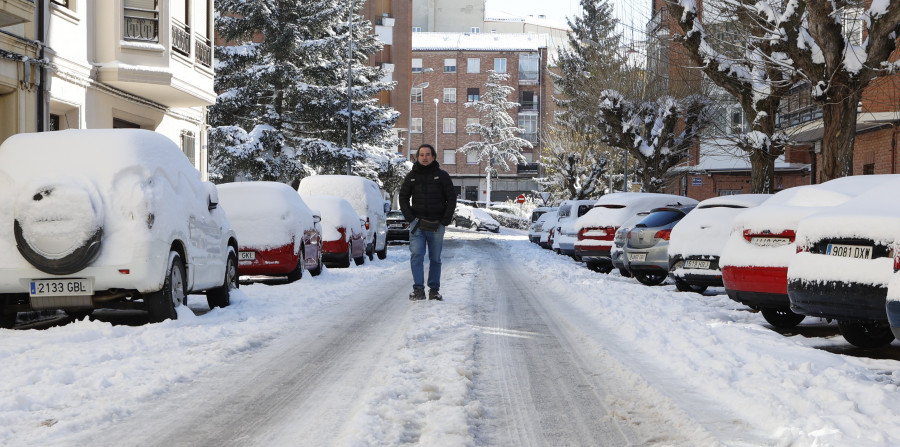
(649, 279)
(383, 253)
(598, 267)
(318, 268)
(360, 260)
(682, 286)
(221, 296)
(370, 252)
(782, 318)
(297, 273)
(7, 319)
(161, 305)
(866, 335)
(625, 273)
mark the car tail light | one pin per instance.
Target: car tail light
(581, 234)
(629, 234)
(367, 223)
(802, 249)
(894, 253)
(663, 234)
(787, 234)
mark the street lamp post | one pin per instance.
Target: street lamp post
(409, 116)
(435, 125)
(350, 81)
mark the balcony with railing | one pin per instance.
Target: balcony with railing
(528, 77)
(203, 50)
(181, 38)
(660, 20)
(14, 12)
(141, 24)
(528, 168)
(528, 106)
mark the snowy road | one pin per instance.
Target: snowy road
(528, 349)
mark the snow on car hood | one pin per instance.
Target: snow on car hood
(265, 215)
(133, 174)
(705, 229)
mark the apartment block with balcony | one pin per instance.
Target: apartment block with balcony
(391, 22)
(130, 63)
(455, 66)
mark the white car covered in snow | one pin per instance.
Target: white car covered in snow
(113, 218)
(697, 240)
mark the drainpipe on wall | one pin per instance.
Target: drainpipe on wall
(42, 81)
(893, 147)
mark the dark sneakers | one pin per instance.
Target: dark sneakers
(433, 294)
(417, 294)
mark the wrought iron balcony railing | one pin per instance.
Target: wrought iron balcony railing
(528, 168)
(141, 24)
(181, 38)
(203, 50)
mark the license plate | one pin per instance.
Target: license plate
(770, 241)
(637, 257)
(395, 226)
(696, 264)
(849, 251)
(61, 287)
(247, 256)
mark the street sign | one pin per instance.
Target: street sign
(521, 198)
(545, 196)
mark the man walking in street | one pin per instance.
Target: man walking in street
(427, 200)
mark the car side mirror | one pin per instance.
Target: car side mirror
(212, 194)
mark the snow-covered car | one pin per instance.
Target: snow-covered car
(564, 233)
(892, 300)
(697, 240)
(596, 229)
(546, 227)
(755, 258)
(647, 244)
(540, 211)
(110, 218)
(844, 262)
(475, 218)
(277, 233)
(398, 227)
(364, 196)
(534, 231)
(616, 253)
(343, 230)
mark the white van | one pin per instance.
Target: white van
(366, 198)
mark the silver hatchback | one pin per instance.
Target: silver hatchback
(647, 244)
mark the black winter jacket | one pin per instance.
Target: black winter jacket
(428, 193)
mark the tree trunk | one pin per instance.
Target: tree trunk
(839, 120)
(762, 172)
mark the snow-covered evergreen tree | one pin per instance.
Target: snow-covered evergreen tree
(282, 109)
(592, 62)
(498, 143)
(658, 134)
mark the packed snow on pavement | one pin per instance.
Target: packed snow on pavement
(705, 353)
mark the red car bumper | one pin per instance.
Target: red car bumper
(274, 261)
(758, 287)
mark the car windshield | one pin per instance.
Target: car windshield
(660, 218)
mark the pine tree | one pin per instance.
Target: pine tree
(499, 143)
(592, 62)
(282, 108)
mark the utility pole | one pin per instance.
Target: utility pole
(350, 82)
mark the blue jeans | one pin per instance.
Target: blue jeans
(434, 240)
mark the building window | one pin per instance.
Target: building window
(470, 122)
(415, 125)
(449, 95)
(449, 156)
(529, 124)
(528, 102)
(63, 3)
(500, 64)
(187, 144)
(472, 94)
(869, 169)
(142, 20)
(473, 65)
(55, 122)
(474, 30)
(449, 125)
(528, 67)
(415, 94)
(449, 65)
(416, 65)
(417, 29)
(122, 124)
(472, 157)
(729, 192)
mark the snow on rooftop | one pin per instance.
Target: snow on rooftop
(539, 20)
(479, 41)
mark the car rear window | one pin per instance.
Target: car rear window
(396, 214)
(660, 218)
(583, 209)
(609, 205)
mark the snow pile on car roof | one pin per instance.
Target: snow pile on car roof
(335, 212)
(265, 214)
(613, 209)
(705, 229)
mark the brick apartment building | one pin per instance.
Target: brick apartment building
(455, 66)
